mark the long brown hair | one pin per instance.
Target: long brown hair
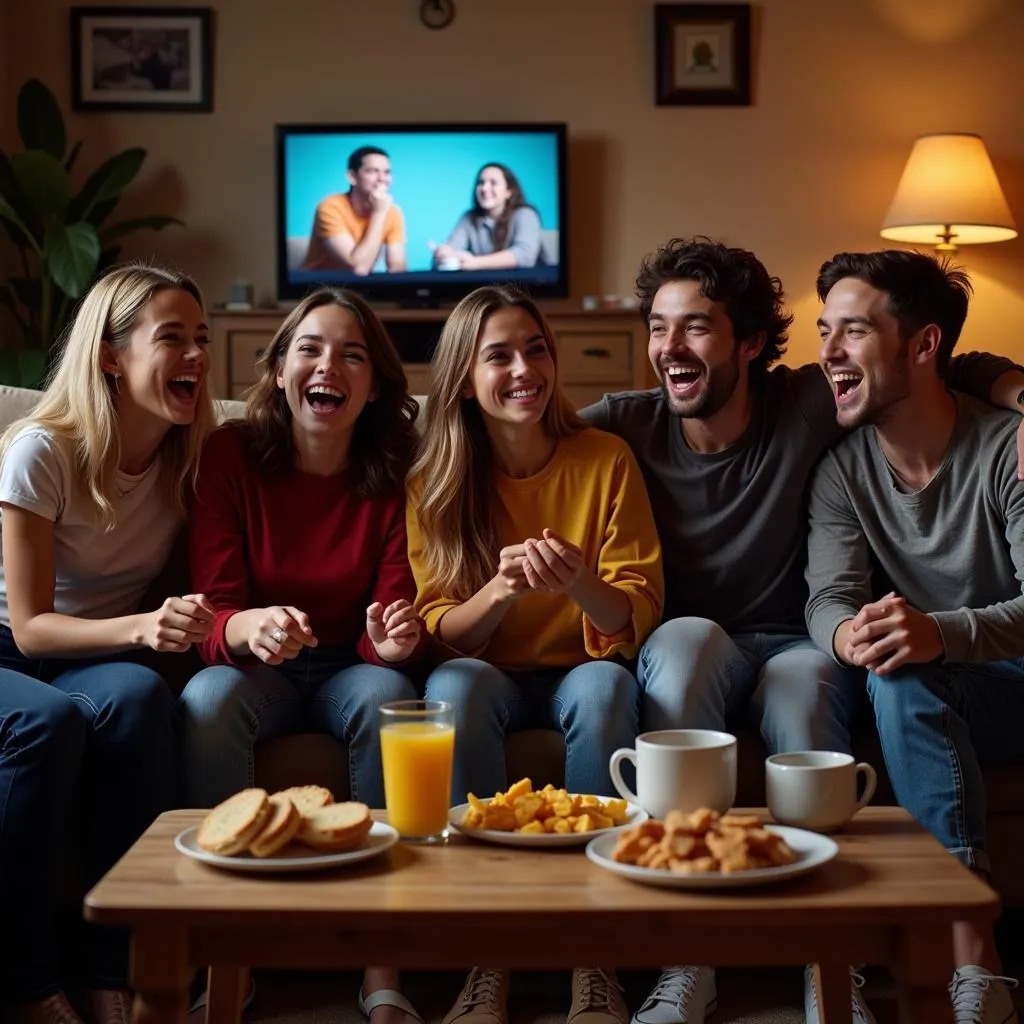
(384, 437)
(514, 201)
(452, 475)
(80, 400)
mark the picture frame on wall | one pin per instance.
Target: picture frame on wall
(702, 54)
(142, 58)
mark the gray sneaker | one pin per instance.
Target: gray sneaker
(683, 995)
(861, 1013)
(980, 997)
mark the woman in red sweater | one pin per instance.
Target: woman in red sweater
(297, 537)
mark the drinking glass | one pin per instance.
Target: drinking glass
(417, 742)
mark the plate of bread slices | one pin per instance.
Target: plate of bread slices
(297, 829)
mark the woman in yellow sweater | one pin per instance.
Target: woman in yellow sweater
(535, 555)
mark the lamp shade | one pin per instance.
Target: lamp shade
(949, 192)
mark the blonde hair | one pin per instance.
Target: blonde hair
(384, 437)
(80, 400)
(456, 507)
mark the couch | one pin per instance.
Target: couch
(540, 753)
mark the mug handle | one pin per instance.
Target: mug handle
(627, 754)
(870, 781)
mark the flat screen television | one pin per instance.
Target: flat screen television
(421, 213)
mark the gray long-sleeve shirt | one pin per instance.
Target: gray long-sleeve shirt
(954, 549)
(476, 235)
(733, 524)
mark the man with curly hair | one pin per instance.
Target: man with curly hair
(727, 444)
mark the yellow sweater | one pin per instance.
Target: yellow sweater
(593, 494)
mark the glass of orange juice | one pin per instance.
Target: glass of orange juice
(417, 742)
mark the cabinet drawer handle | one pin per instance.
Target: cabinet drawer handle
(259, 353)
(597, 353)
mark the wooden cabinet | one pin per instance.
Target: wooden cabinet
(597, 352)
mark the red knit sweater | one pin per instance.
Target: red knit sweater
(293, 539)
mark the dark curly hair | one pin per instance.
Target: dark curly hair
(753, 299)
(921, 290)
(384, 438)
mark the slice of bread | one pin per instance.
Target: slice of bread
(308, 798)
(336, 827)
(230, 826)
(281, 826)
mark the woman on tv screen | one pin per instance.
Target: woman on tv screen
(501, 231)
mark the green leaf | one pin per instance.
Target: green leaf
(72, 157)
(43, 182)
(40, 123)
(10, 214)
(107, 182)
(72, 252)
(29, 291)
(11, 191)
(100, 212)
(31, 367)
(125, 227)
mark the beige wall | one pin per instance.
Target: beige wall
(841, 89)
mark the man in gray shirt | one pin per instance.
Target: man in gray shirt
(924, 502)
(727, 446)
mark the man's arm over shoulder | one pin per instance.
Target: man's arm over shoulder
(628, 414)
(995, 632)
(838, 556)
(812, 391)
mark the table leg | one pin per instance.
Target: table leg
(159, 975)
(923, 971)
(832, 984)
(227, 992)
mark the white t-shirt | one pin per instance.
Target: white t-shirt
(100, 573)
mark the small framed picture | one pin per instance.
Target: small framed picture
(702, 54)
(141, 58)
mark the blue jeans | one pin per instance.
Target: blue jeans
(938, 724)
(694, 675)
(594, 706)
(227, 711)
(102, 736)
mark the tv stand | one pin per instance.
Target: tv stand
(597, 352)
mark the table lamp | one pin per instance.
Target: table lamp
(949, 195)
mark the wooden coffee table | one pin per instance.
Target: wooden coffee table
(889, 898)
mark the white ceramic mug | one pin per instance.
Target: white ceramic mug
(679, 770)
(816, 789)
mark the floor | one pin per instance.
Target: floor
(746, 996)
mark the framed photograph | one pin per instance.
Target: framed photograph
(141, 58)
(702, 54)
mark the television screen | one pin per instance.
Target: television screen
(419, 213)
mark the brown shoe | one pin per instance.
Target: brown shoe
(483, 999)
(596, 998)
(111, 1006)
(53, 1009)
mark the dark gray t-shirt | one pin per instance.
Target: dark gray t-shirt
(954, 549)
(733, 524)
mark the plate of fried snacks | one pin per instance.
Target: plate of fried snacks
(708, 850)
(546, 817)
(297, 829)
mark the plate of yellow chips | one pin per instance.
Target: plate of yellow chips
(548, 817)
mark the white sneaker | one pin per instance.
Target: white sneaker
(861, 1013)
(683, 995)
(980, 997)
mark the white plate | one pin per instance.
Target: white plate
(811, 849)
(634, 815)
(294, 857)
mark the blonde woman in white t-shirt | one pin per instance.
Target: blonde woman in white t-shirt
(92, 489)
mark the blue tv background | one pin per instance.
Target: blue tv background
(433, 177)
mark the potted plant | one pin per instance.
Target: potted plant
(62, 237)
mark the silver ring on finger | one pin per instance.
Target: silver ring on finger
(278, 635)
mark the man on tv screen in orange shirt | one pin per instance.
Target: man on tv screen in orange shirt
(351, 228)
